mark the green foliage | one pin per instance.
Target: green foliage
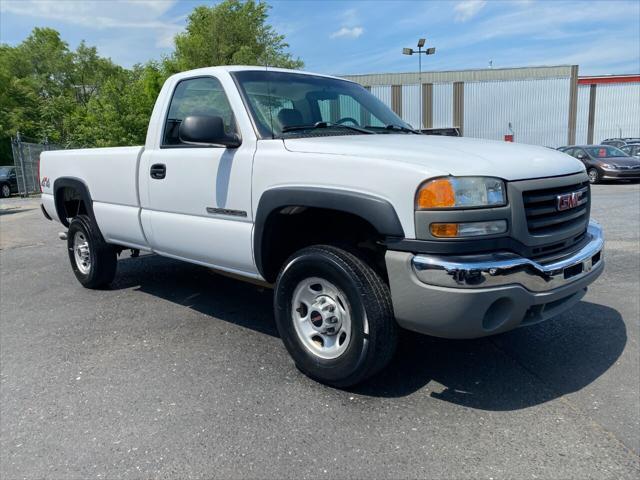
(78, 99)
(230, 33)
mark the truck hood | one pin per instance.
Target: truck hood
(447, 155)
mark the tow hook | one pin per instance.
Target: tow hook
(62, 235)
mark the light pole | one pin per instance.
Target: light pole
(420, 52)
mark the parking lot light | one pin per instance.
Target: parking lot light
(420, 51)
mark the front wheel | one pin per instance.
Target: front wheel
(93, 260)
(594, 176)
(5, 191)
(334, 315)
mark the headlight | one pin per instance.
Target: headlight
(461, 192)
(606, 165)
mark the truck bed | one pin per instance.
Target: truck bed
(111, 176)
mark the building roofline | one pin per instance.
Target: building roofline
(603, 79)
(486, 74)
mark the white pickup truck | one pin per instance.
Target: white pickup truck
(309, 183)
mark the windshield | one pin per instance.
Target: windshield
(605, 152)
(281, 101)
(5, 171)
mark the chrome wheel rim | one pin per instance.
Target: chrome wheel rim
(321, 317)
(6, 191)
(593, 176)
(82, 253)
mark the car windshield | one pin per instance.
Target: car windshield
(285, 104)
(605, 152)
(4, 171)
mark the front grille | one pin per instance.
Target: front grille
(543, 216)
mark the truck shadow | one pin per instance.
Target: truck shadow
(511, 371)
(515, 370)
(199, 289)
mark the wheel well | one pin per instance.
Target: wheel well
(291, 228)
(69, 203)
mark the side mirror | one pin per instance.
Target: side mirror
(581, 156)
(206, 130)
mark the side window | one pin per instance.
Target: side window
(197, 96)
(579, 152)
(569, 151)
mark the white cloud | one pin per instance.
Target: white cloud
(348, 32)
(350, 25)
(468, 9)
(103, 15)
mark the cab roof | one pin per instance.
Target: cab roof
(241, 68)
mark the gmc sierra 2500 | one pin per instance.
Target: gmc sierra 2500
(310, 183)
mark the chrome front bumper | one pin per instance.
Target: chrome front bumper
(501, 269)
(477, 295)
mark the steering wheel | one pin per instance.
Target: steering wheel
(348, 119)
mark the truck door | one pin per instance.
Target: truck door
(196, 200)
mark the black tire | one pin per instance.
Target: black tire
(103, 257)
(594, 175)
(5, 190)
(369, 300)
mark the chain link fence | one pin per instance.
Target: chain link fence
(26, 156)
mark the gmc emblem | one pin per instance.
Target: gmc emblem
(569, 201)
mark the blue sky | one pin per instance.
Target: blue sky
(366, 36)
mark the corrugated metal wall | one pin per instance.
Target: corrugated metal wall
(582, 120)
(537, 109)
(443, 105)
(411, 105)
(383, 92)
(537, 101)
(617, 111)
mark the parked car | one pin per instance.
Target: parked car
(8, 181)
(632, 149)
(362, 225)
(619, 142)
(605, 162)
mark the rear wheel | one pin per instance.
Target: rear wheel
(334, 315)
(594, 176)
(93, 260)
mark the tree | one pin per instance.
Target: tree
(76, 98)
(119, 114)
(34, 87)
(230, 33)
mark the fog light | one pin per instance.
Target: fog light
(470, 229)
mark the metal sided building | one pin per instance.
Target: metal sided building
(538, 105)
(608, 107)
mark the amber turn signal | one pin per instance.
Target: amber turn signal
(437, 193)
(446, 230)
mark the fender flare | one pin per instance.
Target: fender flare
(82, 189)
(375, 210)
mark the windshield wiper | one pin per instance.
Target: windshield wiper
(391, 128)
(295, 128)
(400, 128)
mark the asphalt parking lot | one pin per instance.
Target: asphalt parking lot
(179, 372)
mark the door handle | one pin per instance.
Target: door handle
(158, 171)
